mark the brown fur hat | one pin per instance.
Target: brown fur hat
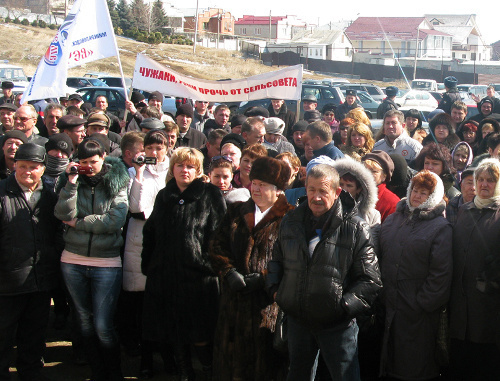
(271, 171)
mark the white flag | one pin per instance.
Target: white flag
(85, 36)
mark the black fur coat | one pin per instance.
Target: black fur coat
(181, 295)
(243, 350)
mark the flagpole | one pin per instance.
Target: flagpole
(119, 61)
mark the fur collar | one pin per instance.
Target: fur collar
(113, 181)
(278, 210)
(422, 214)
(192, 193)
(368, 197)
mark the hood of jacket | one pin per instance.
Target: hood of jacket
(469, 150)
(113, 181)
(432, 201)
(368, 197)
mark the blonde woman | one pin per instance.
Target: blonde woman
(359, 115)
(181, 293)
(359, 141)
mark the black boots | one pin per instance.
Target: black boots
(184, 364)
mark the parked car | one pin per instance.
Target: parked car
(75, 83)
(374, 90)
(334, 81)
(324, 94)
(437, 95)
(424, 84)
(14, 74)
(418, 99)
(114, 95)
(116, 81)
(369, 104)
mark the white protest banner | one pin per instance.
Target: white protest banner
(150, 75)
(86, 35)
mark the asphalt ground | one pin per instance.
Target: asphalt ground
(60, 360)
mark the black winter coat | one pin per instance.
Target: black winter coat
(450, 97)
(31, 241)
(416, 263)
(286, 116)
(341, 278)
(386, 105)
(181, 295)
(475, 297)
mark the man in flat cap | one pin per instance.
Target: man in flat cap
(30, 231)
(8, 97)
(188, 137)
(74, 127)
(99, 123)
(274, 139)
(388, 103)
(349, 104)
(7, 111)
(24, 120)
(309, 102)
(11, 141)
(151, 124)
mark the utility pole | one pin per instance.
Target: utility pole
(270, 27)
(195, 27)
(416, 55)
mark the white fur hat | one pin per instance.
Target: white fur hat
(434, 198)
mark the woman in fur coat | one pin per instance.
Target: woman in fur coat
(181, 293)
(239, 253)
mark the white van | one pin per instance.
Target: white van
(14, 74)
(424, 84)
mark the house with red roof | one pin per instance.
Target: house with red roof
(270, 28)
(399, 37)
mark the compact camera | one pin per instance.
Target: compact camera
(78, 169)
(141, 160)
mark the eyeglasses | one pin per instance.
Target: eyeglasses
(343, 128)
(23, 119)
(328, 114)
(224, 157)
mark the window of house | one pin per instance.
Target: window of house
(205, 26)
(464, 55)
(243, 30)
(258, 31)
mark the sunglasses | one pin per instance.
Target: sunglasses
(343, 128)
(23, 119)
(227, 158)
(328, 114)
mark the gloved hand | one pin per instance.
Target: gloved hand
(235, 280)
(254, 282)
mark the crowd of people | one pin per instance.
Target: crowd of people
(266, 246)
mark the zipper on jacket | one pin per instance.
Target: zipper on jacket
(92, 191)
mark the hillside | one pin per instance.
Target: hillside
(25, 46)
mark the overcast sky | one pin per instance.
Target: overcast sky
(328, 10)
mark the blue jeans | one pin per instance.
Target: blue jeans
(95, 292)
(338, 346)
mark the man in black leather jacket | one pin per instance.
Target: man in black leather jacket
(323, 273)
(29, 262)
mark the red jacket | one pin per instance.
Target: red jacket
(387, 201)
